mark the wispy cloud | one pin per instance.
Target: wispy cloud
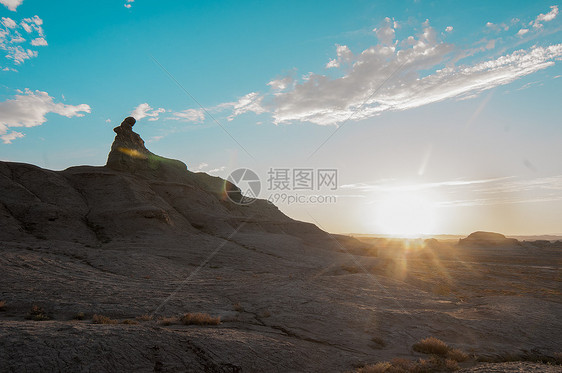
(189, 115)
(390, 185)
(322, 100)
(28, 109)
(359, 85)
(479, 192)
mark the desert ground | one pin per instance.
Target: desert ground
(143, 266)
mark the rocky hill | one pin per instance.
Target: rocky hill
(136, 194)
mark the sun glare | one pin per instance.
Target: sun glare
(405, 214)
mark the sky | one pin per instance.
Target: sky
(437, 117)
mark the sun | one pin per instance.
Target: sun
(405, 214)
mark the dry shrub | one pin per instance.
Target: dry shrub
(380, 367)
(37, 314)
(145, 317)
(451, 365)
(168, 321)
(129, 322)
(2, 305)
(431, 345)
(457, 355)
(200, 319)
(100, 319)
(400, 365)
(558, 358)
(238, 307)
(79, 316)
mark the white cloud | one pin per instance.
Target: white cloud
(28, 109)
(11, 4)
(522, 32)
(9, 23)
(189, 115)
(145, 110)
(11, 39)
(343, 56)
(546, 17)
(9, 137)
(252, 102)
(281, 83)
(128, 4)
(449, 29)
(215, 170)
(369, 87)
(33, 24)
(19, 54)
(39, 42)
(386, 33)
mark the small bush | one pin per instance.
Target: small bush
(100, 319)
(168, 321)
(145, 317)
(238, 307)
(79, 316)
(431, 345)
(457, 355)
(2, 305)
(400, 365)
(451, 365)
(200, 319)
(380, 367)
(129, 322)
(37, 314)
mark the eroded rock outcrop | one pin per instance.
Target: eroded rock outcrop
(137, 193)
(128, 153)
(487, 239)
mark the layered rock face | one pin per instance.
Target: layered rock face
(136, 193)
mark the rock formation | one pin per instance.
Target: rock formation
(135, 194)
(487, 239)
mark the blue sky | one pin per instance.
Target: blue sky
(447, 115)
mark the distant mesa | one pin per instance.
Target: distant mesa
(487, 239)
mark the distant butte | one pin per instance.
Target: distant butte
(487, 239)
